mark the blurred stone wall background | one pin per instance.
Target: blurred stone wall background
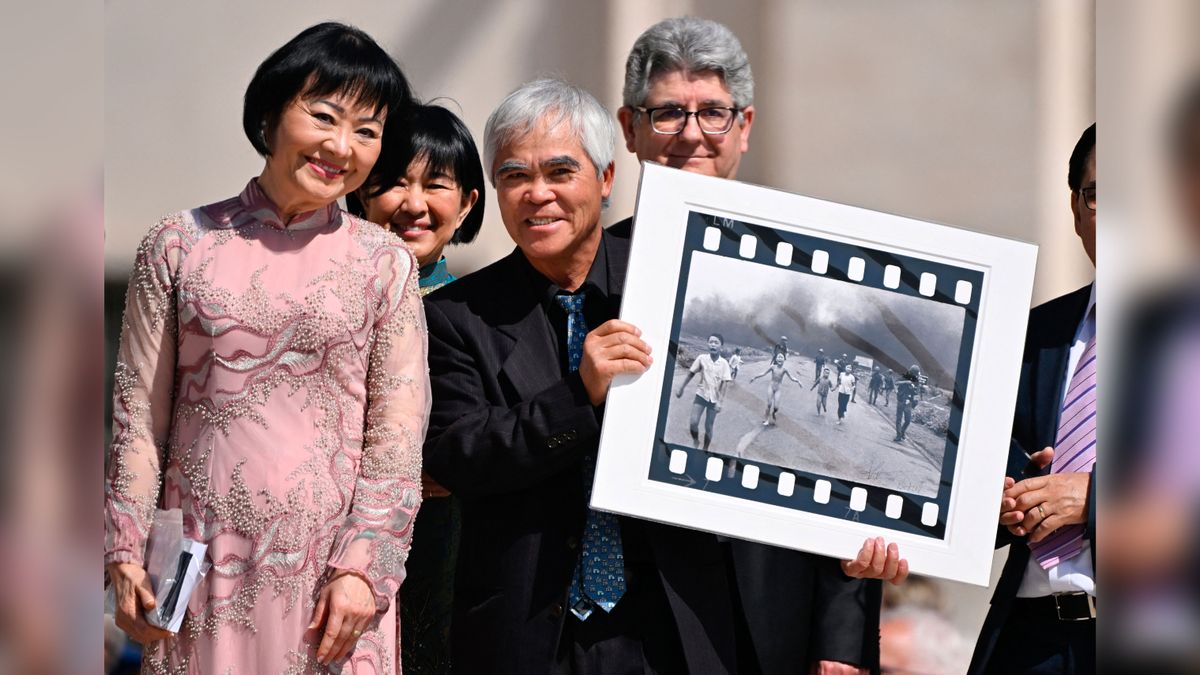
(961, 113)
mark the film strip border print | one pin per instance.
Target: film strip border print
(838, 260)
(823, 495)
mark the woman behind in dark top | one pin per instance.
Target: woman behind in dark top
(437, 200)
(438, 197)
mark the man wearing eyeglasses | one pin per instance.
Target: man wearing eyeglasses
(688, 104)
(1043, 614)
(688, 100)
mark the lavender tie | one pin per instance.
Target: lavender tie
(1074, 452)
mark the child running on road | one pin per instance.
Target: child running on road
(777, 372)
(714, 378)
(847, 385)
(823, 384)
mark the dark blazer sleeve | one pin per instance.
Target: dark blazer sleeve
(1051, 332)
(475, 447)
(846, 616)
(1019, 468)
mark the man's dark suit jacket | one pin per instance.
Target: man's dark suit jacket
(1051, 332)
(507, 433)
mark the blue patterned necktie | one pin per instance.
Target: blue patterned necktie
(599, 578)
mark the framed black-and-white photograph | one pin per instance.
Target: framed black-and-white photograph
(822, 373)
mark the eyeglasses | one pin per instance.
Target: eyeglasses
(670, 121)
(1089, 197)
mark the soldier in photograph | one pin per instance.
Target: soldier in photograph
(907, 390)
(875, 385)
(780, 347)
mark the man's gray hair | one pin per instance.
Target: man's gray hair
(691, 45)
(554, 102)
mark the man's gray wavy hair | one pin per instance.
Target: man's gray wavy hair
(693, 45)
(555, 102)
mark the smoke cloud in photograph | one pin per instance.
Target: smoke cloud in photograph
(756, 304)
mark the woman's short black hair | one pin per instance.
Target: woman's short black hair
(440, 139)
(328, 58)
(1079, 157)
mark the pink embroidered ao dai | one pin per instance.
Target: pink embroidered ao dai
(273, 380)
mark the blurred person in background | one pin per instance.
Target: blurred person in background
(439, 200)
(917, 640)
(1155, 516)
(688, 103)
(916, 637)
(1043, 613)
(916, 591)
(272, 383)
(49, 303)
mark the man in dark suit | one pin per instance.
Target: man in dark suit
(1043, 612)
(688, 104)
(544, 584)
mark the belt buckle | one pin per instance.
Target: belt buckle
(1091, 604)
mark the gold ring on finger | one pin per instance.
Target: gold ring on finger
(1042, 511)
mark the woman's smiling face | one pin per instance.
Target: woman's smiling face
(425, 208)
(321, 149)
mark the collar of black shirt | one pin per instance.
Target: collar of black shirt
(596, 286)
(601, 303)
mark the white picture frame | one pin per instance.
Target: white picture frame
(737, 233)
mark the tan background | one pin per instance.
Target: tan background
(962, 113)
(1147, 50)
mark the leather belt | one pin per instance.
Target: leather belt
(1076, 606)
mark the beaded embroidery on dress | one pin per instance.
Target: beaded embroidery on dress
(272, 380)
